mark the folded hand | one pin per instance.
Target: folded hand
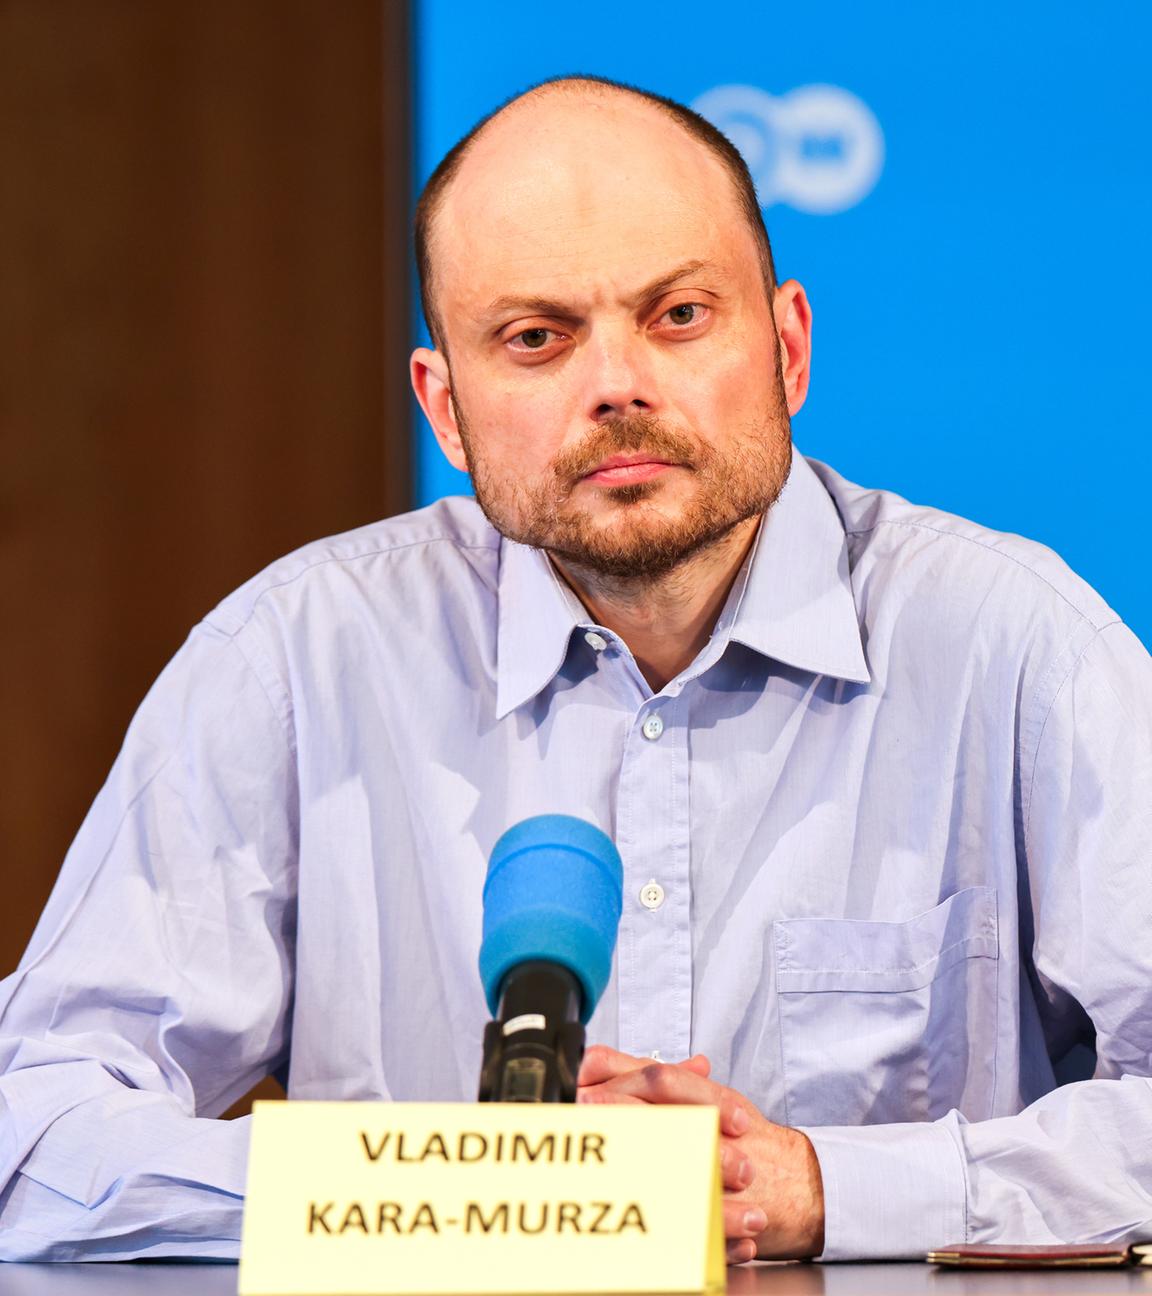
(773, 1194)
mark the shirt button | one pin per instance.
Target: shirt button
(652, 728)
(597, 641)
(652, 895)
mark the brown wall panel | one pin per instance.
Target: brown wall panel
(203, 326)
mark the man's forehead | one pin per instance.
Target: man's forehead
(557, 124)
(578, 263)
(583, 201)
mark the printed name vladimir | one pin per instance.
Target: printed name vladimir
(471, 1146)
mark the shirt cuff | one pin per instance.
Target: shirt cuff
(891, 1192)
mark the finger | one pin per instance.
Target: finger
(698, 1063)
(658, 1082)
(606, 1094)
(740, 1251)
(743, 1221)
(736, 1171)
(663, 1082)
(734, 1117)
(603, 1063)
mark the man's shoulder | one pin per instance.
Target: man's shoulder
(448, 540)
(937, 556)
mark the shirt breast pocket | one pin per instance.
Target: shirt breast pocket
(889, 1021)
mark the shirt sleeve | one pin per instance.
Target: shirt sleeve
(156, 987)
(1075, 1166)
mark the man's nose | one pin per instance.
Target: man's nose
(619, 377)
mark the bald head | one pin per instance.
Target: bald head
(588, 142)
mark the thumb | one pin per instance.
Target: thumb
(603, 1063)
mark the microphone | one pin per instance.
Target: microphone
(552, 902)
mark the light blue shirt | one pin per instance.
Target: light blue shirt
(896, 817)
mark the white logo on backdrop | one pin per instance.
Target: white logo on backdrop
(818, 148)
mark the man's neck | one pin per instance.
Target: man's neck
(666, 620)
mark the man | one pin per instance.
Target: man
(878, 776)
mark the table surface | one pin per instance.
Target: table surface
(160, 1279)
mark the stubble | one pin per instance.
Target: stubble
(637, 542)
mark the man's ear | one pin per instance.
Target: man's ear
(432, 383)
(793, 316)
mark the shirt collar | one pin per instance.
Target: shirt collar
(796, 605)
(536, 618)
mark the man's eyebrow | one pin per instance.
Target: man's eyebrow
(658, 287)
(514, 304)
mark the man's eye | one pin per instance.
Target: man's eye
(686, 313)
(535, 340)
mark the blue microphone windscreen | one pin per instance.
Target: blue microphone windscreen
(553, 893)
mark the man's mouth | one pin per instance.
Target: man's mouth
(627, 470)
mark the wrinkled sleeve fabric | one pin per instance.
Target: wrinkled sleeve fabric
(1075, 1166)
(157, 986)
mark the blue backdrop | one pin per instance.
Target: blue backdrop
(966, 192)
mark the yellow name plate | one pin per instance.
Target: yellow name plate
(414, 1198)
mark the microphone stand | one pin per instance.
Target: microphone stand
(533, 1050)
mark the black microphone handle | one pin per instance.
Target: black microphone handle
(532, 1052)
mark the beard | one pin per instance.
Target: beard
(637, 541)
